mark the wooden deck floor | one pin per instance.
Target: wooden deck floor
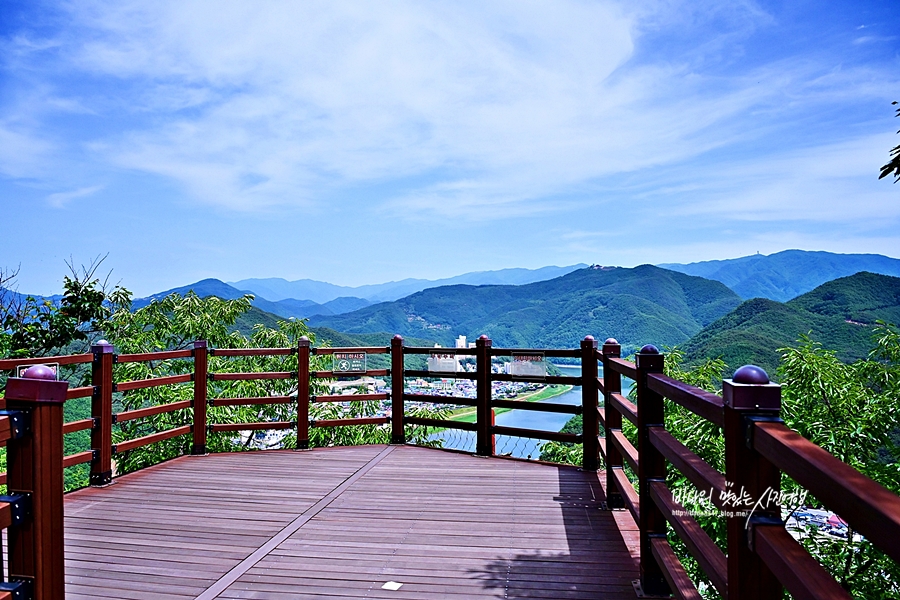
(342, 522)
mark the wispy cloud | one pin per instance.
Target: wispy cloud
(61, 199)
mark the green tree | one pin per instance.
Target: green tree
(893, 165)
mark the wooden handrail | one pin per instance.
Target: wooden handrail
(148, 356)
(698, 401)
(140, 384)
(872, 509)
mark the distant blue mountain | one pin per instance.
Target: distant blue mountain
(319, 291)
(788, 274)
(286, 308)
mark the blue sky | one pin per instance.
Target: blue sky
(364, 142)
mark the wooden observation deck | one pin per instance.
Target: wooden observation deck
(355, 521)
(343, 522)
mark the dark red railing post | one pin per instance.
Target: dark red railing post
(35, 467)
(651, 467)
(755, 482)
(589, 391)
(303, 352)
(101, 413)
(200, 392)
(612, 384)
(398, 435)
(483, 442)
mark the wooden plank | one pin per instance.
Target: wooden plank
(252, 376)
(366, 349)
(349, 398)
(441, 423)
(139, 413)
(148, 356)
(678, 580)
(251, 351)
(697, 471)
(623, 367)
(698, 401)
(708, 555)
(626, 407)
(150, 439)
(800, 573)
(264, 425)
(80, 392)
(538, 434)
(628, 494)
(78, 459)
(470, 528)
(568, 409)
(153, 382)
(629, 452)
(343, 422)
(872, 509)
(440, 399)
(252, 401)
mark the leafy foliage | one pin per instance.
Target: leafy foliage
(893, 165)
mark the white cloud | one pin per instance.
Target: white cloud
(61, 199)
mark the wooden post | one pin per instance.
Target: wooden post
(483, 445)
(35, 466)
(200, 392)
(303, 352)
(651, 467)
(612, 384)
(749, 397)
(589, 391)
(101, 412)
(398, 435)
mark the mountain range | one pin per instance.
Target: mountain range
(276, 289)
(839, 314)
(785, 275)
(639, 305)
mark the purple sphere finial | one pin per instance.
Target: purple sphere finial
(589, 338)
(483, 337)
(398, 337)
(39, 372)
(649, 349)
(750, 374)
(102, 343)
(611, 341)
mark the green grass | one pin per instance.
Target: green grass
(469, 414)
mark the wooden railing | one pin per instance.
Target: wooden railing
(760, 558)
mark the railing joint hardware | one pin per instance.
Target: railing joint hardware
(20, 506)
(750, 420)
(211, 352)
(20, 588)
(115, 359)
(19, 422)
(756, 520)
(115, 418)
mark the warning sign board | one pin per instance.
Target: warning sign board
(349, 362)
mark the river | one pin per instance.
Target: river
(526, 419)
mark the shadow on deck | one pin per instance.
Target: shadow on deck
(342, 522)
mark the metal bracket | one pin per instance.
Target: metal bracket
(210, 376)
(115, 418)
(19, 505)
(296, 351)
(20, 589)
(312, 398)
(19, 422)
(95, 454)
(95, 422)
(192, 376)
(115, 359)
(211, 352)
(295, 374)
(748, 422)
(756, 520)
(114, 448)
(313, 351)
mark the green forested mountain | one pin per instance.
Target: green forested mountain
(785, 275)
(642, 305)
(839, 314)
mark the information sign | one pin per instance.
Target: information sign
(443, 362)
(349, 362)
(20, 372)
(529, 365)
